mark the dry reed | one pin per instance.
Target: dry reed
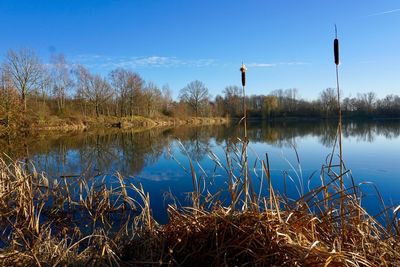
(102, 222)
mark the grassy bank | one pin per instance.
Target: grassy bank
(57, 221)
(70, 123)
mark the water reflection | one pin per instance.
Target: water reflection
(129, 152)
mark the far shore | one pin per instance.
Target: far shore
(67, 124)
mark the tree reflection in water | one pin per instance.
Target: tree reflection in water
(128, 152)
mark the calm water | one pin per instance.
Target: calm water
(371, 151)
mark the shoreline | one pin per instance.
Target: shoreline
(132, 123)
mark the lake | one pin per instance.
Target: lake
(159, 158)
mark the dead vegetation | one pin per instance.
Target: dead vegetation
(108, 221)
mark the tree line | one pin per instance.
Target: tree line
(287, 103)
(29, 87)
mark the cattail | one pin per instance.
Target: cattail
(342, 195)
(336, 48)
(243, 71)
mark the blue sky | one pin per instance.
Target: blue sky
(286, 44)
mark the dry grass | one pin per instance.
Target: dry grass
(271, 231)
(108, 221)
(57, 222)
(224, 238)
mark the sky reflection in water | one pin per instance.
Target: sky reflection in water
(370, 151)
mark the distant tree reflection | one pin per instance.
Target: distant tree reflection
(109, 150)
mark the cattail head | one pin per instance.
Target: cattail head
(243, 71)
(336, 48)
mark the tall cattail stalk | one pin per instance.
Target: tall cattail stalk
(245, 141)
(336, 52)
(337, 61)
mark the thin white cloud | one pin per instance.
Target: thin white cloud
(106, 62)
(385, 12)
(270, 65)
(293, 63)
(261, 65)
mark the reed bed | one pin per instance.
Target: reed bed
(59, 221)
(107, 221)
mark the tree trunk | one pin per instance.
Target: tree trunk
(97, 110)
(24, 99)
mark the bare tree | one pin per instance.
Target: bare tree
(270, 104)
(232, 95)
(119, 81)
(166, 99)
(93, 88)
(291, 95)
(135, 85)
(366, 102)
(25, 69)
(195, 94)
(45, 84)
(152, 98)
(328, 100)
(128, 85)
(8, 97)
(61, 80)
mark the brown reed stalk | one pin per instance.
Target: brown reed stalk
(337, 62)
(215, 236)
(245, 141)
